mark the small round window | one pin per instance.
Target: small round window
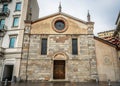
(60, 24)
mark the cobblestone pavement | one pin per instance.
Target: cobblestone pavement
(60, 84)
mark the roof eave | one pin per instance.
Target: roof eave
(60, 13)
(105, 41)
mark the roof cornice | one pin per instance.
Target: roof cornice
(60, 13)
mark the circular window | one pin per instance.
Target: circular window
(59, 24)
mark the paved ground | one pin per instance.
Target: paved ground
(60, 84)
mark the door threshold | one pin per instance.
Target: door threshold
(60, 80)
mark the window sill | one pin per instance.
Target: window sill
(75, 54)
(14, 26)
(17, 11)
(13, 50)
(43, 55)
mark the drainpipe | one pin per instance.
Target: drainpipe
(21, 56)
(3, 58)
(30, 14)
(114, 64)
(2, 70)
(29, 4)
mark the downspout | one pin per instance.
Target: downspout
(2, 66)
(23, 37)
(19, 78)
(27, 58)
(3, 59)
(114, 64)
(97, 74)
(118, 60)
(29, 19)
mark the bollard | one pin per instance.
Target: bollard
(14, 79)
(109, 82)
(6, 82)
(97, 80)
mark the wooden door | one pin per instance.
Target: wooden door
(59, 69)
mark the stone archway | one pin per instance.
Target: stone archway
(60, 56)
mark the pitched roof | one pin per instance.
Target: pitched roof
(105, 41)
(61, 13)
(112, 41)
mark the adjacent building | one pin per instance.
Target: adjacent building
(105, 34)
(112, 39)
(12, 16)
(107, 60)
(117, 35)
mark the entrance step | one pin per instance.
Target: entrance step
(60, 80)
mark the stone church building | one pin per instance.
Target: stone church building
(62, 47)
(58, 47)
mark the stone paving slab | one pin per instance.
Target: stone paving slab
(60, 84)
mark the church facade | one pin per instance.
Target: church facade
(58, 47)
(62, 47)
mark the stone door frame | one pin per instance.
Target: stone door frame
(59, 56)
(64, 69)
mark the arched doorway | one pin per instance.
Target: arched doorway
(59, 69)
(59, 65)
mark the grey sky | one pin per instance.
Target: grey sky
(103, 12)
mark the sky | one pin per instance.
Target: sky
(103, 12)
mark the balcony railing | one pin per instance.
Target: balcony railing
(2, 1)
(3, 29)
(4, 12)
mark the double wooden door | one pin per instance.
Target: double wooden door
(59, 69)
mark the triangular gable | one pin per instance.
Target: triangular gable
(59, 13)
(46, 25)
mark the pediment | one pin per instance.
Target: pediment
(46, 25)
